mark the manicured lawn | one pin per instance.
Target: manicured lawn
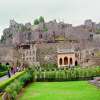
(79, 90)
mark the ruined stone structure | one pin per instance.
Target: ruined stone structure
(28, 53)
(38, 44)
(66, 58)
(41, 53)
(46, 31)
(9, 54)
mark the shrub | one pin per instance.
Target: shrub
(3, 73)
(14, 88)
(67, 74)
(49, 66)
(7, 82)
(3, 67)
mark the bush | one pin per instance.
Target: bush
(3, 67)
(49, 66)
(14, 88)
(67, 75)
(3, 73)
(9, 81)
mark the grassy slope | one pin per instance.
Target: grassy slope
(79, 90)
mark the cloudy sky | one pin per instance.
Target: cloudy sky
(70, 11)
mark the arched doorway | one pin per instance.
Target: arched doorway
(71, 61)
(7, 63)
(65, 60)
(60, 61)
(76, 63)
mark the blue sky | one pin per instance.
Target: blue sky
(70, 11)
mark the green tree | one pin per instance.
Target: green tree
(45, 29)
(2, 38)
(36, 22)
(41, 19)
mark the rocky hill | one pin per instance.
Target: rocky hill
(51, 31)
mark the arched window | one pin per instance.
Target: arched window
(60, 61)
(76, 63)
(71, 61)
(65, 60)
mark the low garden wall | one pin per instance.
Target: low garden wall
(10, 80)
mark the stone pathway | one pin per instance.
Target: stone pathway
(3, 78)
(96, 81)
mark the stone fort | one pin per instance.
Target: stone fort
(51, 42)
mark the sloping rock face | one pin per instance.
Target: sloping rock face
(14, 33)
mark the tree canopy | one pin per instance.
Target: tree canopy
(41, 19)
(36, 22)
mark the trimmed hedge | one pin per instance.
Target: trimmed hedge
(67, 75)
(3, 67)
(14, 88)
(3, 73)
(10, 80)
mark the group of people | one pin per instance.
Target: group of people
(13, 70)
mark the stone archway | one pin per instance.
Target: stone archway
(76, 63)
(71, 61)
(65, 61)
(60, 61)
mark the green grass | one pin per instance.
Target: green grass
(79, 90)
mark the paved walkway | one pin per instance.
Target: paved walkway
(3, 78)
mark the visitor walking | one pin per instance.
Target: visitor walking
(9, 75)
